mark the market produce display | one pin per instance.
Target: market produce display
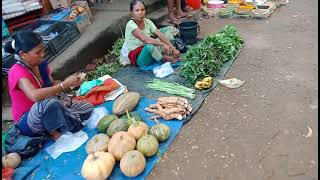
(243, 9)
(75, 11)
(171, 88)
(120, 143)
(132, 163)
(105, 122)
(116, 126)
(11, 160)
(116, 47)
(207, 57)
(204, 83)
(104, 69)
(138, 129)
(131, 140)
(125, 102)
(108, 68)
(98, 166)
(148, 145)
(169, 108)
(132, 114)
(160, 131)
(98, 142)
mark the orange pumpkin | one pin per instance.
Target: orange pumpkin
(98, 142)
(98, 166)
(132, 163)
(11, 160)
(120, 143)
(138, 129)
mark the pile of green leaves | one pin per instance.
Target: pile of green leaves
(109, 68)
(104, 69)
(207, 57)
(116, 47)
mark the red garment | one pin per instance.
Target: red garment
(96, 95)
(133, 55)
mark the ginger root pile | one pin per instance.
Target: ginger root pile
(169, 108)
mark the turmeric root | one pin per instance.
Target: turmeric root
(170, 108)
(173, 116)
(174, 110)
(153, 106)
(159, 107)
(172, 99)
(173, 103)
(150, 110)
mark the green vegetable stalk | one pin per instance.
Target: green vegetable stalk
(171, 88)
(207, 57)
(109, 68)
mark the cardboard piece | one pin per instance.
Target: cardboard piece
(82, 21)
(60, 3)
(85, 5)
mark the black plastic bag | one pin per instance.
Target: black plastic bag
(25, 146)
(180, 45)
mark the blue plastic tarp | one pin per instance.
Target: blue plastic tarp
(68, 165)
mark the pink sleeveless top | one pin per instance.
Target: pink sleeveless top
(20, 102)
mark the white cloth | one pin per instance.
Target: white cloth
(96, 115)
(66, 143)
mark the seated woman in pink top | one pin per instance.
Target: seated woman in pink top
(35, 107)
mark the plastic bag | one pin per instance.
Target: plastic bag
(66, 143)
(180, 45)
(124, 55)
(164, 70)
(96, 115)
(231, 83)
(24, 145)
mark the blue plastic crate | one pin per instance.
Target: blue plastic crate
(58, 14)
(9, 60)
(57, 35)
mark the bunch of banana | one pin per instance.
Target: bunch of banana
(205, 83)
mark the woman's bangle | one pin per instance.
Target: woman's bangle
(61, 85)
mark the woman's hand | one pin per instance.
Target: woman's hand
(166, 48)
(72, 81)
(176, 53)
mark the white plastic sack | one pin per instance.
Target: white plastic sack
(66, 143)
(164, 70)
(96, 115)
(231, 83)
(124, 53)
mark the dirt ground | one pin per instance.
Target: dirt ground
(257, 131)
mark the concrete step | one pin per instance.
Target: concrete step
(109, 21)
(158, 16)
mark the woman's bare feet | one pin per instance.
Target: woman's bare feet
(181, 14)
(172, 19)
(55, 135)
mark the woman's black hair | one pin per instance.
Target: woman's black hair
(134, 2)
(23, 41)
